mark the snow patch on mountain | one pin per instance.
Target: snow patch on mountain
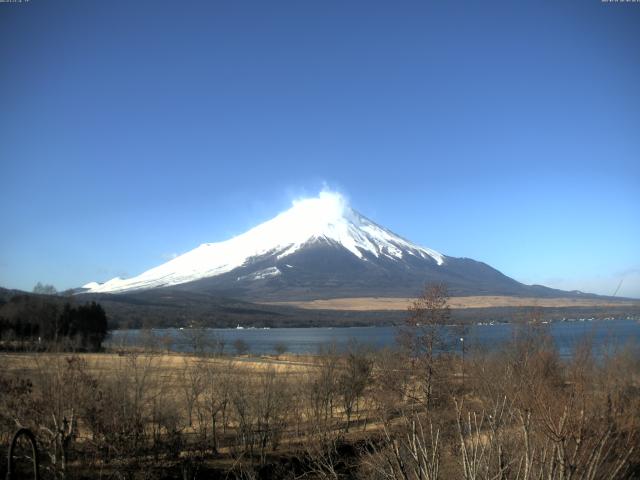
(262, 274)
(327, 217)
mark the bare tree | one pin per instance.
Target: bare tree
(422, 335)
(280, 348)
(196, 338)
(215, 395)
(391, 381)
(412, 452)
(62, 386)
(241, 347)
(261, 410)
(272, 404)
(321, 388)
(217, 344)
(353, 379)
(192, 386)
(322, 454)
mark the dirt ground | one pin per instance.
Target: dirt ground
(387, 303)
(163, 363)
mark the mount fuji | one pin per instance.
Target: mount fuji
(320, 248)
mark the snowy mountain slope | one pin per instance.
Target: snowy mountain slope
(318, 249)
(323, 221)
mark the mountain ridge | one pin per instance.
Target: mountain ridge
(326, 218)
(320, 248)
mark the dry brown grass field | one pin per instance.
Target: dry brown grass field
(164, 364)
(401, 304)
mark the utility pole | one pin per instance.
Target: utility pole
(462, 343)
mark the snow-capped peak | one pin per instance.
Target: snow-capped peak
(327, 217)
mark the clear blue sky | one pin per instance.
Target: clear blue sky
(508, 132)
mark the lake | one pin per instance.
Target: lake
(606, 335)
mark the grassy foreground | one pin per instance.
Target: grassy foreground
(518, 413)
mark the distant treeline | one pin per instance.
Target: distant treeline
(46, 319)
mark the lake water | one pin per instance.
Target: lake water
(606, 335)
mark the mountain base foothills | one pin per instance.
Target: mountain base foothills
(172, 308)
